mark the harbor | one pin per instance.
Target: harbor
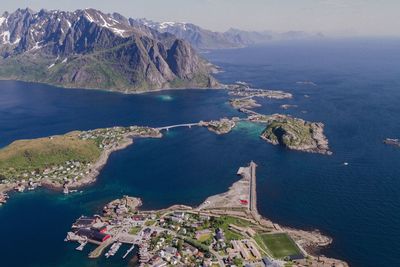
(225, 230)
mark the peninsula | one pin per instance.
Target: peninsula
(73, 160)
(65, 161)
(225, 230)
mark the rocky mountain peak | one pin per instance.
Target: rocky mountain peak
(88, 48)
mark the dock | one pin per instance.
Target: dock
(99, 250)
(81, 246)
(128, 251)
(253, 191)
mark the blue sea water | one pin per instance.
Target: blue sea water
(357, 97)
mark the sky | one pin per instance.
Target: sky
(331, 17)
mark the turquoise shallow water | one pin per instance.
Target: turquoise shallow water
(357, 97)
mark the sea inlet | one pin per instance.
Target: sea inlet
(356, 97)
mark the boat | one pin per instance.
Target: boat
(114, 249)
(82, 245)
(391, 141)
(3, 198)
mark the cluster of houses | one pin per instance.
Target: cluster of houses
(69, 171)
(166, 238)
(221, 126)
(105, 137)
(108, 137)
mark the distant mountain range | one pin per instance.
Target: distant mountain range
(90, 49)
(205, 39)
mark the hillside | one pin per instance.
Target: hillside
(21, 158)
(90, 49)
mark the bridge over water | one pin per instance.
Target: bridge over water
(178, 126)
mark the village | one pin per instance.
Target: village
(225, 230)
(70, 173)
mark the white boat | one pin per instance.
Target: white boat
(114, 249)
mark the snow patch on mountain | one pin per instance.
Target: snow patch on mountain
(2, 19)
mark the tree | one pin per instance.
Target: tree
(238, 261)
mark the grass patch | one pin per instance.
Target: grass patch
(38, 154)
(223, 222)
(236, 221)
(230, 235)
(149, 223)
(279, 245)
(204, 237)
(135, 230)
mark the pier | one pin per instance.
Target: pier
(253, 191)
(99, 250)
(128, 251)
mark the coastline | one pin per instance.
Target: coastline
(89, 178)
(124, 92)
(224, 205)
(95, 169)
(314, 238)
(221, 204)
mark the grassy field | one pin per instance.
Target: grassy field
(38, 154)
(223, 222)
(279, 245)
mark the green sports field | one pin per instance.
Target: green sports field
(279, 245)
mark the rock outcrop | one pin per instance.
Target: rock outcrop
(295, 134)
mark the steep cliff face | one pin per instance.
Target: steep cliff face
(90, 49)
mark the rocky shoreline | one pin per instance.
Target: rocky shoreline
(282, 133)
(222, 126)
(95, 170)
(292, 133)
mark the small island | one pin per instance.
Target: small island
(288, 106)
(246, 95)
(293, 133)
(225, 230)
(245, 102)
(250, 92)
(222, 126)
